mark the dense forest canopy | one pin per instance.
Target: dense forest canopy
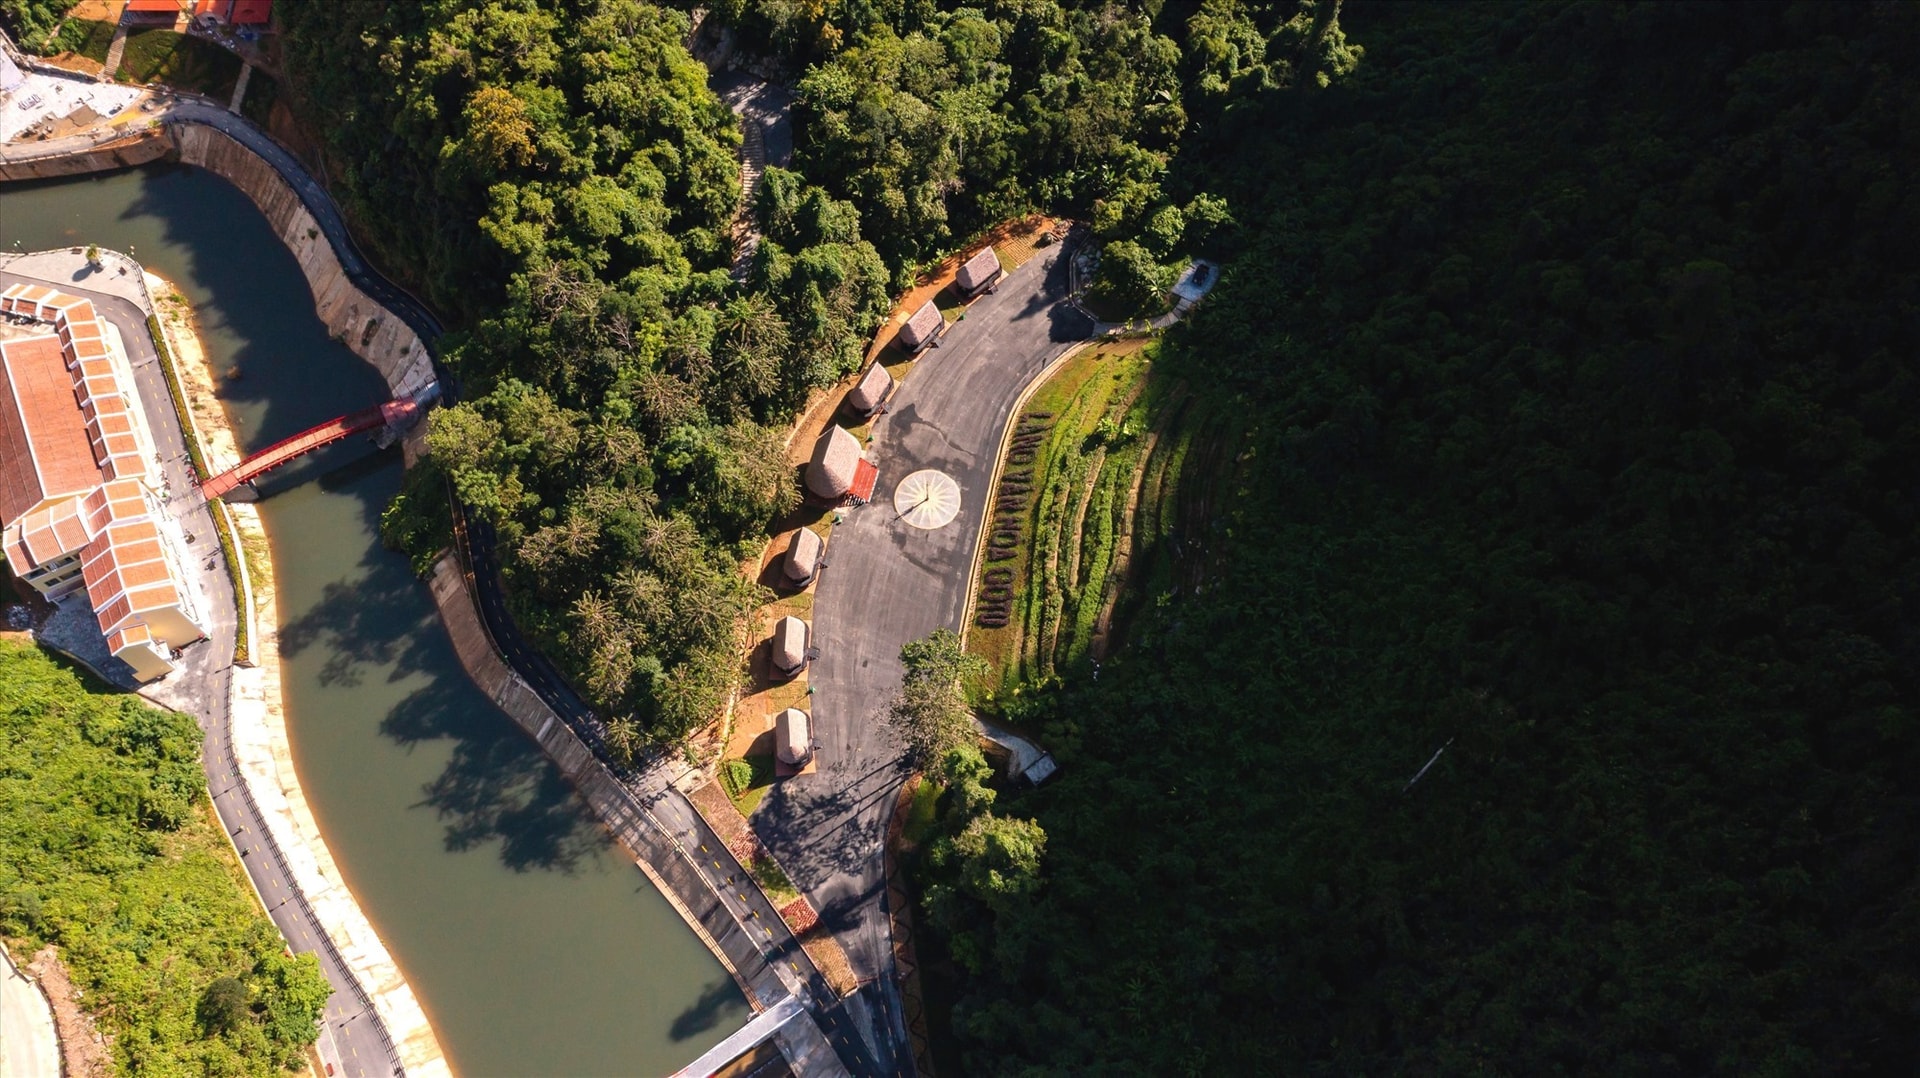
(561, 180)
(1581, 337)
(1578, 338)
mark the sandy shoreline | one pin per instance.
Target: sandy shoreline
(260, 744)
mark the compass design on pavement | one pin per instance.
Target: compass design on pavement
(927, 499)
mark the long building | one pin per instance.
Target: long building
(78, 517)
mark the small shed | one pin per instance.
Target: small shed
(836, 459)
(803, 557)
(871, 391)
(978, 273)
(922, 328)
(790, 637)
(793, 736)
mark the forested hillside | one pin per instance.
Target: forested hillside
(559, 178)
(1581, 343)
(1576, 343)
(109, 849)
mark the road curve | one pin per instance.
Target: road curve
(889, 583)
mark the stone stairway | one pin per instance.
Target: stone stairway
(753, 161)
(116, 50)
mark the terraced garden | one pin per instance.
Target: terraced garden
(1105, 499)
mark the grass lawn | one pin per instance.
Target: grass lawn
(922, 812)
(773, 880)
(746, 785)
(179, 61)
(93, 46)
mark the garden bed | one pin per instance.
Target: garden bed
(1094, 497)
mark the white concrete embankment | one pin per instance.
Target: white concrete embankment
(261, 747)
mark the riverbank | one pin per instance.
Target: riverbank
(257, 718)
(304, 220)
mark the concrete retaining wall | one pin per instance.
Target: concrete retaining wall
(134, 150)
(370, 330)
(614, 806)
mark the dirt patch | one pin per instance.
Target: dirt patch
(830, 960)
(83, 1051)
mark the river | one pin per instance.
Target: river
(535, 946)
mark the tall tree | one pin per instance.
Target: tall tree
(931, 710)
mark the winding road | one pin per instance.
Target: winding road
(889, 583)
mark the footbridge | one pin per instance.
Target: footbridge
(388, 420)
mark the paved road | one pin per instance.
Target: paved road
(28, 1046)
(889, 583)
(351, 1038)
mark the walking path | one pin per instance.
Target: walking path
(240, 89)
(766, 138)
(28, 1048)
(116, 49)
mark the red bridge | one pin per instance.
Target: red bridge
(395, 414)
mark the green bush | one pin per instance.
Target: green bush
(737, 777)
(109, 850)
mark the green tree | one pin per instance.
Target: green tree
(224, 1005)
(1128, 281)
(623, 737)
(931, 710)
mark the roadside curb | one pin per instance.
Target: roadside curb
(1000, 466)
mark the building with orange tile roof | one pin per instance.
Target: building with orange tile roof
(75, 513)
(235, 12)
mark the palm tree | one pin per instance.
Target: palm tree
(623, 737)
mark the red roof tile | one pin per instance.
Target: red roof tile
(44, 449)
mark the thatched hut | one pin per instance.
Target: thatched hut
(978, 273)
(922, 328)
(803, 557)
(793, 736)
(871, 391)
(790, 637)
(836, 458)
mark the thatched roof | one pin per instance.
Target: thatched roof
(803, 555)
(978, 272)
(923, 327)
(871, 391)
(789, 645)
(793, 735)
(835, 458)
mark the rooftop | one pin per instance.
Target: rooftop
(922, 327)
(45, 452)
(836, 459)
(978, 271)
